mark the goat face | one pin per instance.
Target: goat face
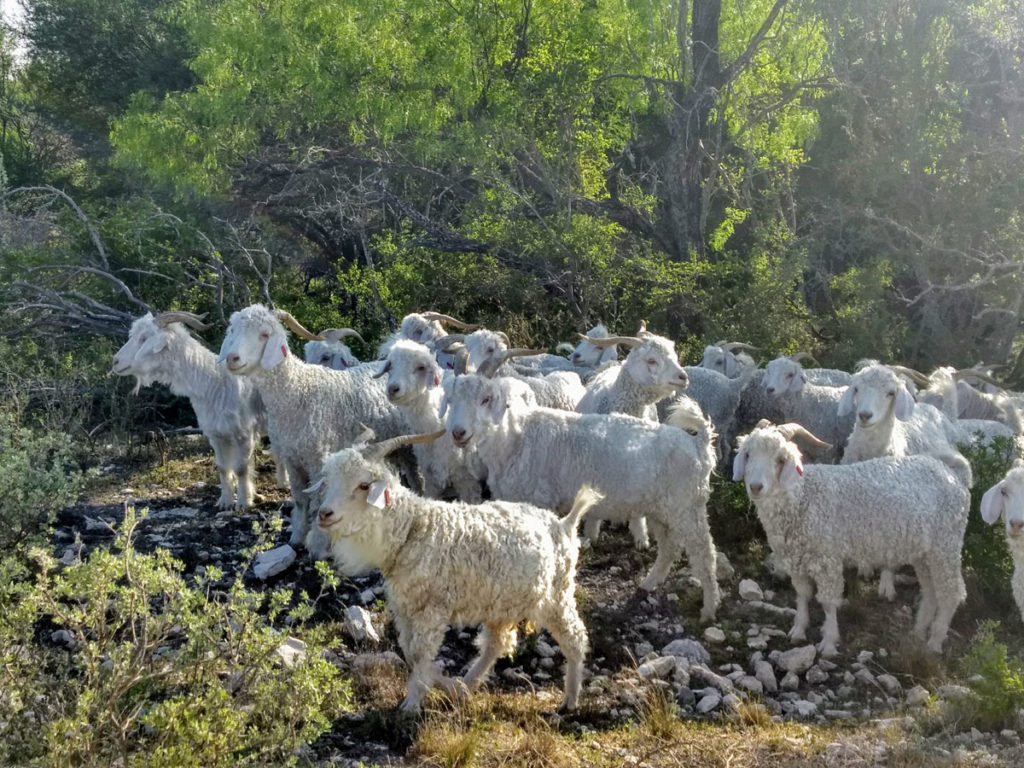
(768, 463)
(412, 370)
(784, 375)
(1006, 498)
(475, 405)
(654, 364)
(255, 339)
(874, 393)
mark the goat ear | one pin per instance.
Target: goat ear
(444, 405)
(153, 345)
(731, 365)
(992, 503)
(739, 466)
(904, 408)
(611, 353)
(275, 351)
(791, 471)
(846, 402)
(498, 404)
(379, 495)
(798, 383)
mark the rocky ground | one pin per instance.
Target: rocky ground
(742, 668)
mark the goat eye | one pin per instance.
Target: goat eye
(1003, 491)
(485, 401)
(325, 358)
(490, 350)
(892, 394)
(417, 335)
(264, 335)
(364, 486)
(652, 361)
(420, 368)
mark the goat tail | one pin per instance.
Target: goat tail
(586, 497)
(686, 414)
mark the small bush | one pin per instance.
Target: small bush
(117, 660)
(996, 677)
(38, 476)
(986, 558)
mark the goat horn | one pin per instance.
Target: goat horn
(295, 325)
(504, 337)
(975, 373)
(444, 342)
(490, 366)
(461, 359)
(611, 341)
(384, 447)
(729, 346)
(916, 376)
(507, 354)
(450, 320)
(382, 371)
(796, 357)
(337, 334)
(189, 318)
(793, 431)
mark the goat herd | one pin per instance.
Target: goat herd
(371, 450)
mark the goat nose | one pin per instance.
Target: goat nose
(1016, 525)
(234, 358)
(458, 433)
(756, 488)
(326, 513)
(770, 390)
(865, 416)
(394, 389)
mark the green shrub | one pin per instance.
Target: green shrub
(996, 677)
(986, 558)
(151, 671)
(38, 476)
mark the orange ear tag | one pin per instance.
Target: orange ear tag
(436, 381)
(800, 469)
(284, 351)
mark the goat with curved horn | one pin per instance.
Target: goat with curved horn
(611, 341)
(382, 448)
(337, 334)
(450, 320)
(188, 318)
(729, 346)
(295, 326)
(798, 357)
(792, 431)
(443, 344)
(915, 376)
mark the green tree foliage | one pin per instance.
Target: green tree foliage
(87, 57)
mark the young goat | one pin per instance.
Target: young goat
(884, 513)
(1006, 498)
(444, 563)
(542, 456)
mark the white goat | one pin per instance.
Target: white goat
(811, 405)
(488, 351)
(413, 384)
(722, 358)
(312, 410)
(424, 328)
(228, 410)
(541, 455)
(883, 512)
(444, 563)
(1006, 498)
(587, 355)
(332, 352)
(650, 372)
